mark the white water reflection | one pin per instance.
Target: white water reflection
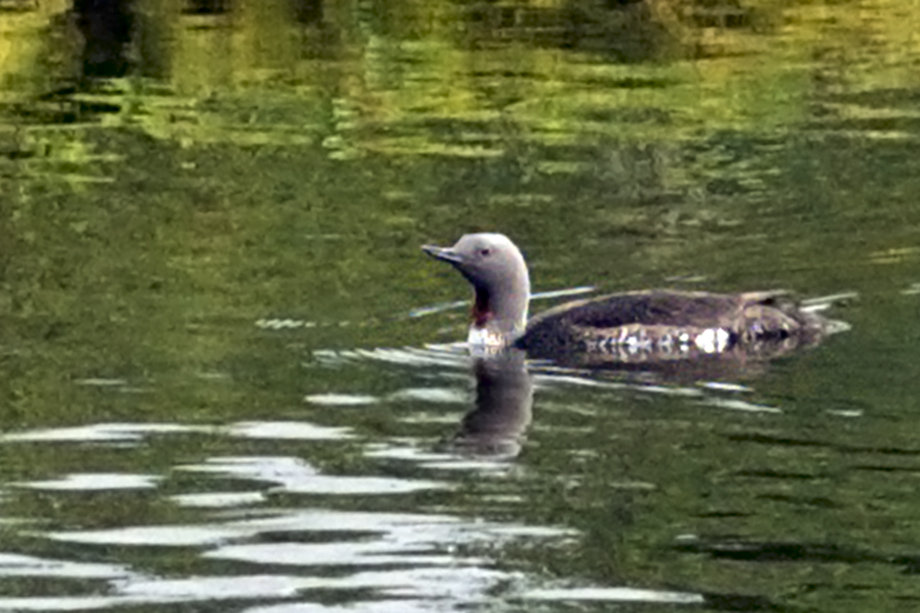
(376, 606)
(411, 530)
(341, 400)
(408, 560)
(614, 594)
(213, 500)
(403, 590)
(294, 475)
(102, 382)
(136, 432)
(371, 553)
(495, 465)
(450, 589)
(276, 430)
(107, 432)
(217, 588)
(16, 565)
(94, 482)
(64, 603)
(740, 405)
(403, 562)
(452, 355)
(161, 536)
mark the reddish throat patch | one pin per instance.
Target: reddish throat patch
(481, 313)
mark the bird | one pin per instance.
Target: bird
(630, 327)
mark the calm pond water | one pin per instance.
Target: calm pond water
(230, 381)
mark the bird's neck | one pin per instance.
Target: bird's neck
(498, 318)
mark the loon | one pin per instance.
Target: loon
(658, 324)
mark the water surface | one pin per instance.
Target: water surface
(227, 372)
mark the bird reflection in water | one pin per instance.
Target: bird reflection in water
(497, 425)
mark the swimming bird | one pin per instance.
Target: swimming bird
(658, 324)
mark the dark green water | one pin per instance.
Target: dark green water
(225, 383)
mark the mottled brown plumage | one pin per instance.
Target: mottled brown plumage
(668, 323)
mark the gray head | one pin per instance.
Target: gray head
(497, 271)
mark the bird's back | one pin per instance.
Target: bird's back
(664, 322)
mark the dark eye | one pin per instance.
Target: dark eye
(485, 252)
